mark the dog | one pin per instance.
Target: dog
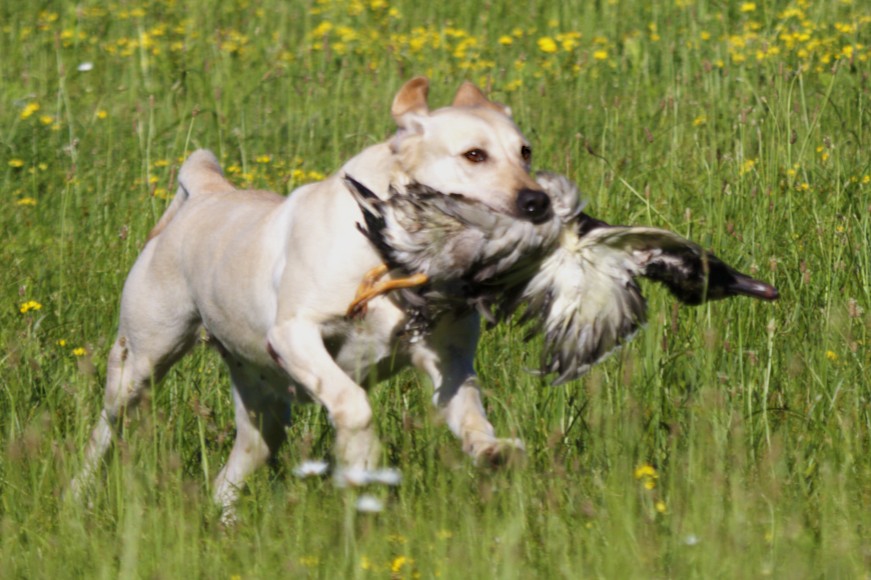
(270, 278)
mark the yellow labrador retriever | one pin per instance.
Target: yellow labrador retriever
(270, 279)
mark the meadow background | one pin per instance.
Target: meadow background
(729, 440)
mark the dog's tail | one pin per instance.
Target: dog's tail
(200, 174)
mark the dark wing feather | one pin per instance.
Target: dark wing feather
(373, 214)
(692, 274)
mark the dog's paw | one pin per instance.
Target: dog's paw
(498, 453)
(359, 477)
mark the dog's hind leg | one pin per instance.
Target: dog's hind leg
(128, 375)
(261, 419)
(157, 328)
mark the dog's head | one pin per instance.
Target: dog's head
(471, 147)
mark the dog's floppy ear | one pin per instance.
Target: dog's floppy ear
(410, 101)
(409, 110)
(468, 95)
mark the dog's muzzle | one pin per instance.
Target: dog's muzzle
(533, 205)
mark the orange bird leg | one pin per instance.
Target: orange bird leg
(370, 288)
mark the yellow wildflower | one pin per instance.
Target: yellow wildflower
(26, 201)
(600, 55)
(647, 473)
(61, 342)
(29, 110)
(505, 40)
(398, 563)
(16, 163)
(309, 561)
(547, 45)
(263, 158)
(28, 306)
(645, 470)
(102, 114)
(748, 7)
(322, 29)
(831, 355)
(79, 351)
(700, 120)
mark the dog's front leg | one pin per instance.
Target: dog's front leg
(447, 356)
(298, 347)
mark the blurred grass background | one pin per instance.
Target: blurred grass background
(729, 440)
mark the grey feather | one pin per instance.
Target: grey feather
(471, 254)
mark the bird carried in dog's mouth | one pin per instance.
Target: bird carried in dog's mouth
(452, 252)
(577, 287)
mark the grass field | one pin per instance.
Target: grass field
(729, 440)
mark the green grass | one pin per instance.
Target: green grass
(743, 126)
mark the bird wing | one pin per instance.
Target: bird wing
(585, 298)
(692, 274)
(585, 301)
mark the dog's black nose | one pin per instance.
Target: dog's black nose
(534, 205)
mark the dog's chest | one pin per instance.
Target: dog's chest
(373, 344)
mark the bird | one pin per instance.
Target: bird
(446, 251)
(573, 277)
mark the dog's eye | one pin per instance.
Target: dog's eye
(526, 153)
(476, 155)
